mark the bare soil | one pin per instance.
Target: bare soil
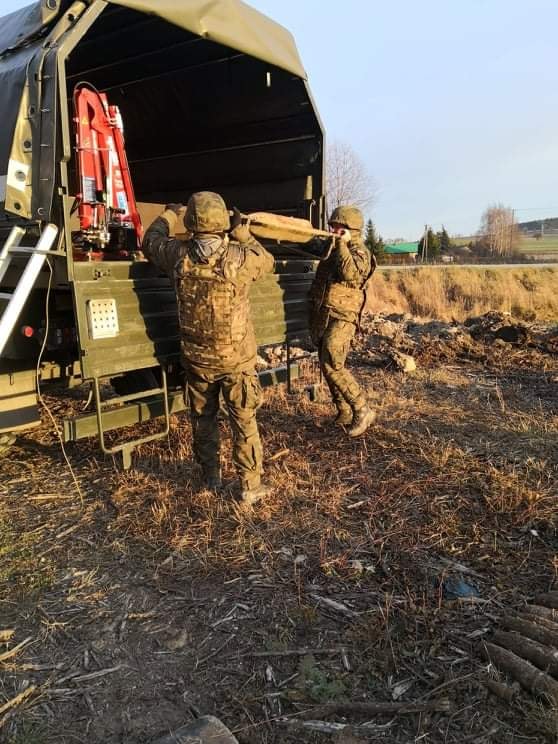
(148, 601)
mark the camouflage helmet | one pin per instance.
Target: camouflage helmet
(350, 217)
(206, 212)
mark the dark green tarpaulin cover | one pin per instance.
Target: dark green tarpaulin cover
(230, 22)
(26, 37)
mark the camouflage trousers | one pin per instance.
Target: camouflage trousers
(242, 396)
(333, 349)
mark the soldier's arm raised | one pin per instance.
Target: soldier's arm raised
(158, 247)
(353, 262)
(257, 261)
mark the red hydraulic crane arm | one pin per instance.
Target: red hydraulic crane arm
(124, 177)
(107, 198)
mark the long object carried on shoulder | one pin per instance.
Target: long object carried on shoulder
(278, 227)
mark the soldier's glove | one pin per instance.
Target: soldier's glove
(239, 231)
(341, 239)
(176, 208)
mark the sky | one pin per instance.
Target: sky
(451, 105)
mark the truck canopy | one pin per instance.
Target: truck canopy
(213, 95)
(229, 22)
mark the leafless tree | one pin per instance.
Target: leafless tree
(499, 232)
(348, 180)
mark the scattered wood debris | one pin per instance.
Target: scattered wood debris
(153, 600)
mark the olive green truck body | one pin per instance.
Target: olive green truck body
(213, 96)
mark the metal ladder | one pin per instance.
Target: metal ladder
(126, 448)
(16, 300)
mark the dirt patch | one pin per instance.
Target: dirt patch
(153, 601)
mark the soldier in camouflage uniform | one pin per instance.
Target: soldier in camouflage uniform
(337, 301)
(212, 273)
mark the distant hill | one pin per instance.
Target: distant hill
(551, 223)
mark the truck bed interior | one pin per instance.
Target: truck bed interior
(199, 115)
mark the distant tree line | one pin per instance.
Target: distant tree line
(374, 242)
(499, 234)
(497, 238)
(433, 244)
(539, 226)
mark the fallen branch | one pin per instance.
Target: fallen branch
(460, 567)
(548, 599)
(449, 683)
(293, 652)
(501, 690)
(17, 700)
(481, 738)
(95, 675)
(534, 631)
(15, 650)
(333, 605)
(277, 455)
(441, 705)
(541, 656)
(199, 662)
(528, 676)
(331, 727)
(33, 667)
(50, 497)
(544, 621)
(545, 612)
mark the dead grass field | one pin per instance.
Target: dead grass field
(149, 600)
(527, 244)
(456, 293)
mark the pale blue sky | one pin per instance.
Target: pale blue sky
(452, 104)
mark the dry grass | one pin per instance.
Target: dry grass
(169, 590)
(456, 293)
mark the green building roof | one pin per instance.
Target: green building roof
(402, 248)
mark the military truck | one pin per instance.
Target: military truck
(213, 96)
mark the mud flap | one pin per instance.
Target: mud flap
(19, 409)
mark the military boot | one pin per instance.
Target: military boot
(212, 479)
(253, 490)
(344, 415)
(363, 418)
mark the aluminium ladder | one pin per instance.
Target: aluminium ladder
(16, 300)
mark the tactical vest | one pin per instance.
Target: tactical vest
(331, 296)
(214, 312)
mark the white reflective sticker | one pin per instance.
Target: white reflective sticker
(17, 175)
(88, 190)
(102, 319)
(122, 201)
(3, 180)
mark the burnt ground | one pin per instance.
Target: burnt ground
(144, 601)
